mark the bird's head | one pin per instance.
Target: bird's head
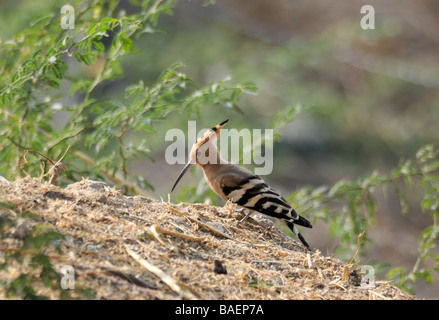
(201, 151)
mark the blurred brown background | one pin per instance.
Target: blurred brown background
(374, 92)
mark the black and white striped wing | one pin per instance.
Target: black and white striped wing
(253, 193)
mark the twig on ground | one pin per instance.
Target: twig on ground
(211, 229)
(180, 289)
(179, 235)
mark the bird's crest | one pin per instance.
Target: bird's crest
(212, 132)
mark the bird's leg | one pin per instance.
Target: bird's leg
(229, 205)
(247, 215)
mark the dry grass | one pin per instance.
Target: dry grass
(138, 248)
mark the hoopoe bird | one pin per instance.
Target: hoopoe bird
(240, 185)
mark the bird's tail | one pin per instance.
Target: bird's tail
(302, 222)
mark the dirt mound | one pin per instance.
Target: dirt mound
(138, 248)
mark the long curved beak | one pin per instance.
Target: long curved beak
(213, 131)
(186, 168)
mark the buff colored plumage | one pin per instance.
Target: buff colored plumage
(240, 185)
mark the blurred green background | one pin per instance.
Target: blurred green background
(374, 93)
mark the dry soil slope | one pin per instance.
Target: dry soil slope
(139, 248)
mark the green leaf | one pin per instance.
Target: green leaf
(424, 275)
(134, 89)
(80, 86)
(402, 201)
(98, 45)
(126, 42)
(82, 58)
(44, 238)
(339, 185)
(395, 272)
(286, 116)
(249, 88)
(109, 21)
(425, 153)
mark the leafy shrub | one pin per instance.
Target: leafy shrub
(39, 60)
(29, 259)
